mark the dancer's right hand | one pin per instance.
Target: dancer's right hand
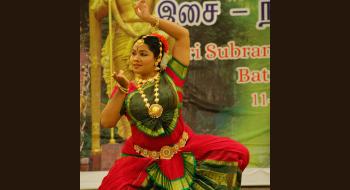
(142, 10)
(121, 79)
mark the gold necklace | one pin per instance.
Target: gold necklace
(155, 110)
(144, 81)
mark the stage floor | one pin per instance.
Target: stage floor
(255, 188)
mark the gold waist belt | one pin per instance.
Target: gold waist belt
(166, 152)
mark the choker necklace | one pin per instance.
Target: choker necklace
(144, 81)
(155, 110)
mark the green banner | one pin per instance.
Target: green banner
(228, 85)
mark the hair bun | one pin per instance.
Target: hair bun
(163, 40)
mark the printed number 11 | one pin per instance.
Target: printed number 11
(260, 99)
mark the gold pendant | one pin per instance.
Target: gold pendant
(155, 110)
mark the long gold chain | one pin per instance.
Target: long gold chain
(155, 110)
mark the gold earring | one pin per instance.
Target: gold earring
(156, 66)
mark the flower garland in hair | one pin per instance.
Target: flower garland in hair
(166, 57)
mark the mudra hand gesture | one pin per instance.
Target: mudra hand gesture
(121, 79)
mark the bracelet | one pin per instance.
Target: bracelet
(124, 90)
(156, 22)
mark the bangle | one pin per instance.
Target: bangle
(124, 90)
(156, 22)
